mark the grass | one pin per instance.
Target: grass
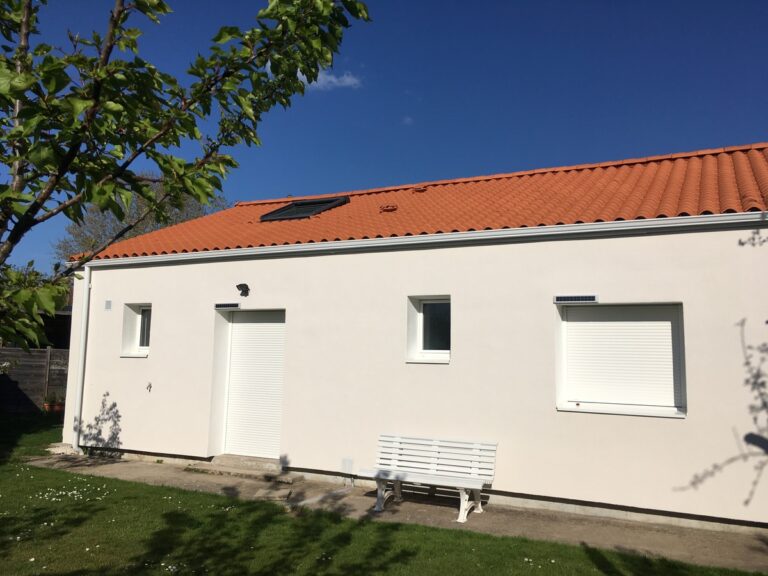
(54, 522)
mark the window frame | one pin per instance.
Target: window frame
(416, 353)
(144, 348)
(562, 404)
(132, 328)
(293, 211)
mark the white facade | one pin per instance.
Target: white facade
(348, 375)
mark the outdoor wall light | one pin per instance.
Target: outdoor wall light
(244, 290)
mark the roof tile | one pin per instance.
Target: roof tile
(713, 181)
(670, 197)
(730, 199)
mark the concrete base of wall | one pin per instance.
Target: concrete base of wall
(65, 448)
(593, 509)
(651, 516)
(495, 498)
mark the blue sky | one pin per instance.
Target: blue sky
(435, 89)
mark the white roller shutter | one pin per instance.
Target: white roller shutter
(255, 391)
(628, 355)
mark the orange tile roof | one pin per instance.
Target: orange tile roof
(714, 181)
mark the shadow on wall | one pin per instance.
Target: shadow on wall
(756, 237)
(754, 449)
(103, 433)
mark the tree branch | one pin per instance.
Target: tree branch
(21, 56)
(17, 169)
(59, 208)
(202, 161)
(185, 106)
(84, 259)
(210, 85)
(29, 219)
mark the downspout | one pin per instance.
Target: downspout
(81, 361)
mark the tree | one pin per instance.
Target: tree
(26, 296)
(97, 228)
(74, 120)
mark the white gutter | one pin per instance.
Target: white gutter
(78, 421)
(566, 231)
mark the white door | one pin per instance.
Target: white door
(255, 392)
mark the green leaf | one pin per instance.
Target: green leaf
(42, 49)
(113, 106)
(5, 81)
(227, 33)
(55, 80)
(22, 296)
(12, 84)
(77, 105)
(42, 156)
(22, 82)
(45, 299)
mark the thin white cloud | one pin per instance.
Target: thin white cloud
(407, 121)
(330, 81)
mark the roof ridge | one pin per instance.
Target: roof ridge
(501, 176)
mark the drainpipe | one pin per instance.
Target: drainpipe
(81, 360)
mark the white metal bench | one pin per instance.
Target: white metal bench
(465, 466)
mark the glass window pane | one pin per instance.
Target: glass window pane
(436, 317)
(146, 320)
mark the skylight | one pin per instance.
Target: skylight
(304, 208)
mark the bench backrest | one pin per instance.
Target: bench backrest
(437, 457)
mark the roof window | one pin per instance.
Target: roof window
(304, 208)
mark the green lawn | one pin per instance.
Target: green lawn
(53, 522)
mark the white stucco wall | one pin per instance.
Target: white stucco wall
(346, 378)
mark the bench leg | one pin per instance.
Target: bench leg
(465, 505)
(381, 495)
(398, 491)
(478, 502)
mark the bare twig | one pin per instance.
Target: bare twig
(755, 379)
(85, 258)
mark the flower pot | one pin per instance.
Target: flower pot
(53, 407)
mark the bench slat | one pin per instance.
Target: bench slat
(489, 459)
(487, 478)
(438, 452)
(436, 469)
(426, 466)
(451, 463)
(416, 478)
(434, 464)
(446, 463)
(427, 442)
(445, 440)
(471, 457)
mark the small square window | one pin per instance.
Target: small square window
(137, 329)
(429, 329)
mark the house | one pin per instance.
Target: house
(590, 319)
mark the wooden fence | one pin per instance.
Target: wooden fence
(33, 376)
